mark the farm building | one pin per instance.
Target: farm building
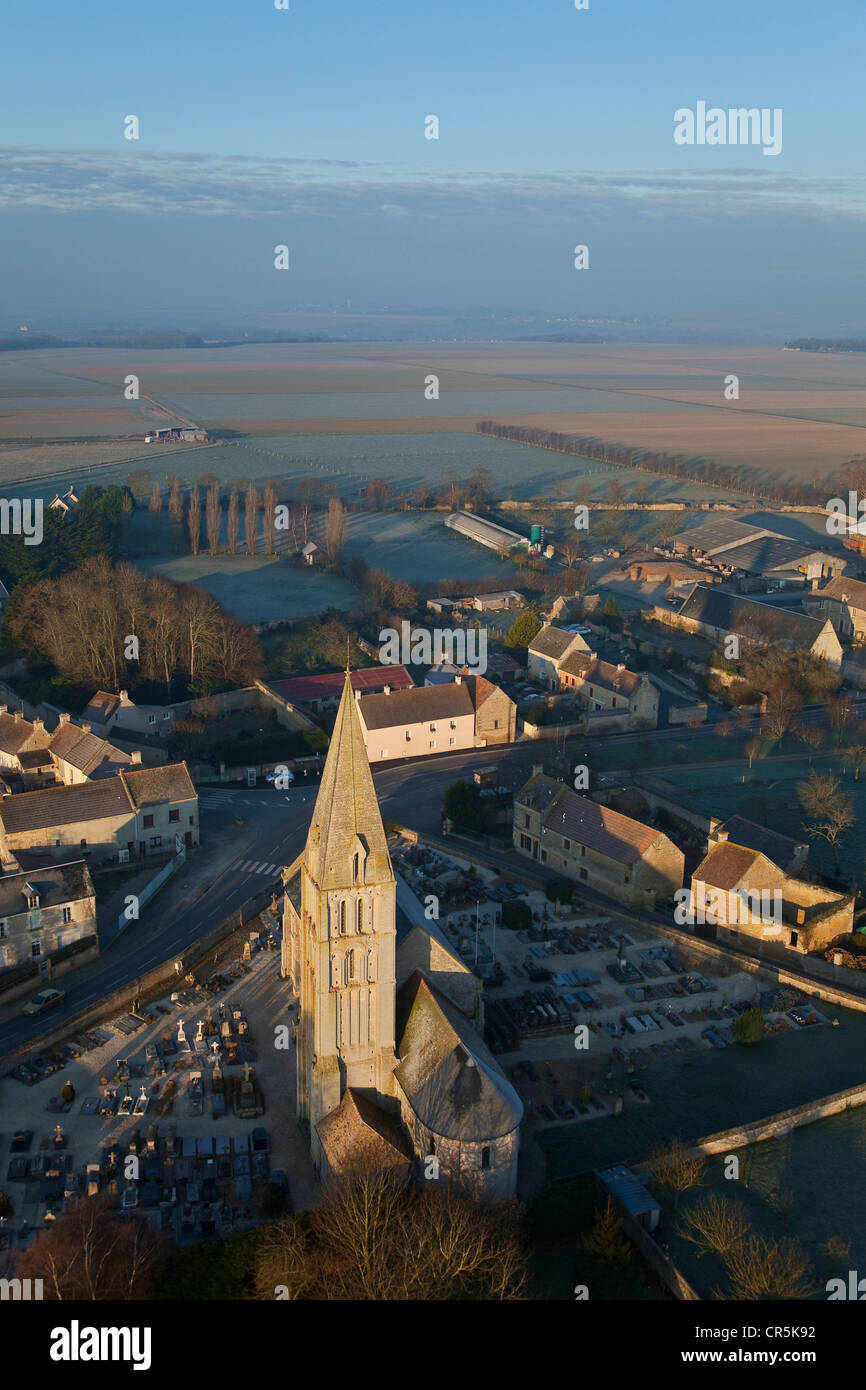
(488, 533)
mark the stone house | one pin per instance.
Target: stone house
(79, 756)
(468, 712)
(548, 649)
(601, 686)
(718, 614)
(106, 711)
(135, 814)
(750, 901)
(42, 910)
(595, 845)
(18, 735)
(843, 602)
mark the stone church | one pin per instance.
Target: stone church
(390, 1068)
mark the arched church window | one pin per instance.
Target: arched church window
(359, 915)
(356, 867)
(343, 917)
(350, 966)
(485, 1156)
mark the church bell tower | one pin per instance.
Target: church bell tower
(345, 946)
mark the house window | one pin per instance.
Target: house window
(485, 1156)
(432, 743)
(496, 723)
(32, 900)
(452, 725)
(795, 936)
(192, 820)
(544, 856)
(167, 715)
(408, 736)
(148, 822)
(343, 918)
(526, 819)
(83, 844)
(432, 728)
(67, 914)
(583, 851)
(174, 816)
(383, 752)
(35, 948)
(566, 844)
(155, 841)
(591, 691)
(451, 742)
(614, 702)
(583, 873)
(2, 930)
(151, 719)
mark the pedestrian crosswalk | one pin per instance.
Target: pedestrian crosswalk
(206, 800)
(251, 866)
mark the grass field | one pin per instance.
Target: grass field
(799, 415)
(714, 1090)
(784, 1193)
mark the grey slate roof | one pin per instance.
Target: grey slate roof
(778, 848)
(450, 1078)
(420, 705)
(89, 754)
(601, 828)
(87, 801)
(551, 641)
(759, 622)
(56, 885)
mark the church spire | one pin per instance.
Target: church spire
(346, 808)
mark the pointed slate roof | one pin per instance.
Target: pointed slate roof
(346, 808)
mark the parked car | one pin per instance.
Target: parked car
(47, 999)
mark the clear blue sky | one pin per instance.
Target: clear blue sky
(556, 127)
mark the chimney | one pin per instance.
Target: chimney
(39, 726)
(4, 709)
(537, 769)
(387, 690)
(620, 666)
(458, 680)
(65, 718)
(88, 728)
(17, 716)
(124, 694)
(136, 757)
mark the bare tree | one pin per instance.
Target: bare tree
(213, 517)
(335, 531)
(270, 521)
(155, 507)
(714, 1224)
(760, 1268)
(674, 1167)
(232, 522)
(193, 519)
(94, 1253)
(828, 809)
(251, 517)
(812, 735)
(379, 492)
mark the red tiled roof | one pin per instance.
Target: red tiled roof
(302, 689)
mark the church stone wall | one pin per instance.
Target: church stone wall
(461, 1163)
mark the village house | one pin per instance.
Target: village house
(18, 735)
(595, 845)
(106, 711)
(65, 504)
(548, 649)
(790, 855)
(603, 687)
(719, 615)
(79, 756)
(43, 910)
(468, 712)
(564, 662)
(135, 814)
(750, 901)
(843, 602)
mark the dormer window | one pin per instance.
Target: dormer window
(32, 900)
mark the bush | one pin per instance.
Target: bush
(462, 804)
(516, 915)
(749, 1027)
(559, 890)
